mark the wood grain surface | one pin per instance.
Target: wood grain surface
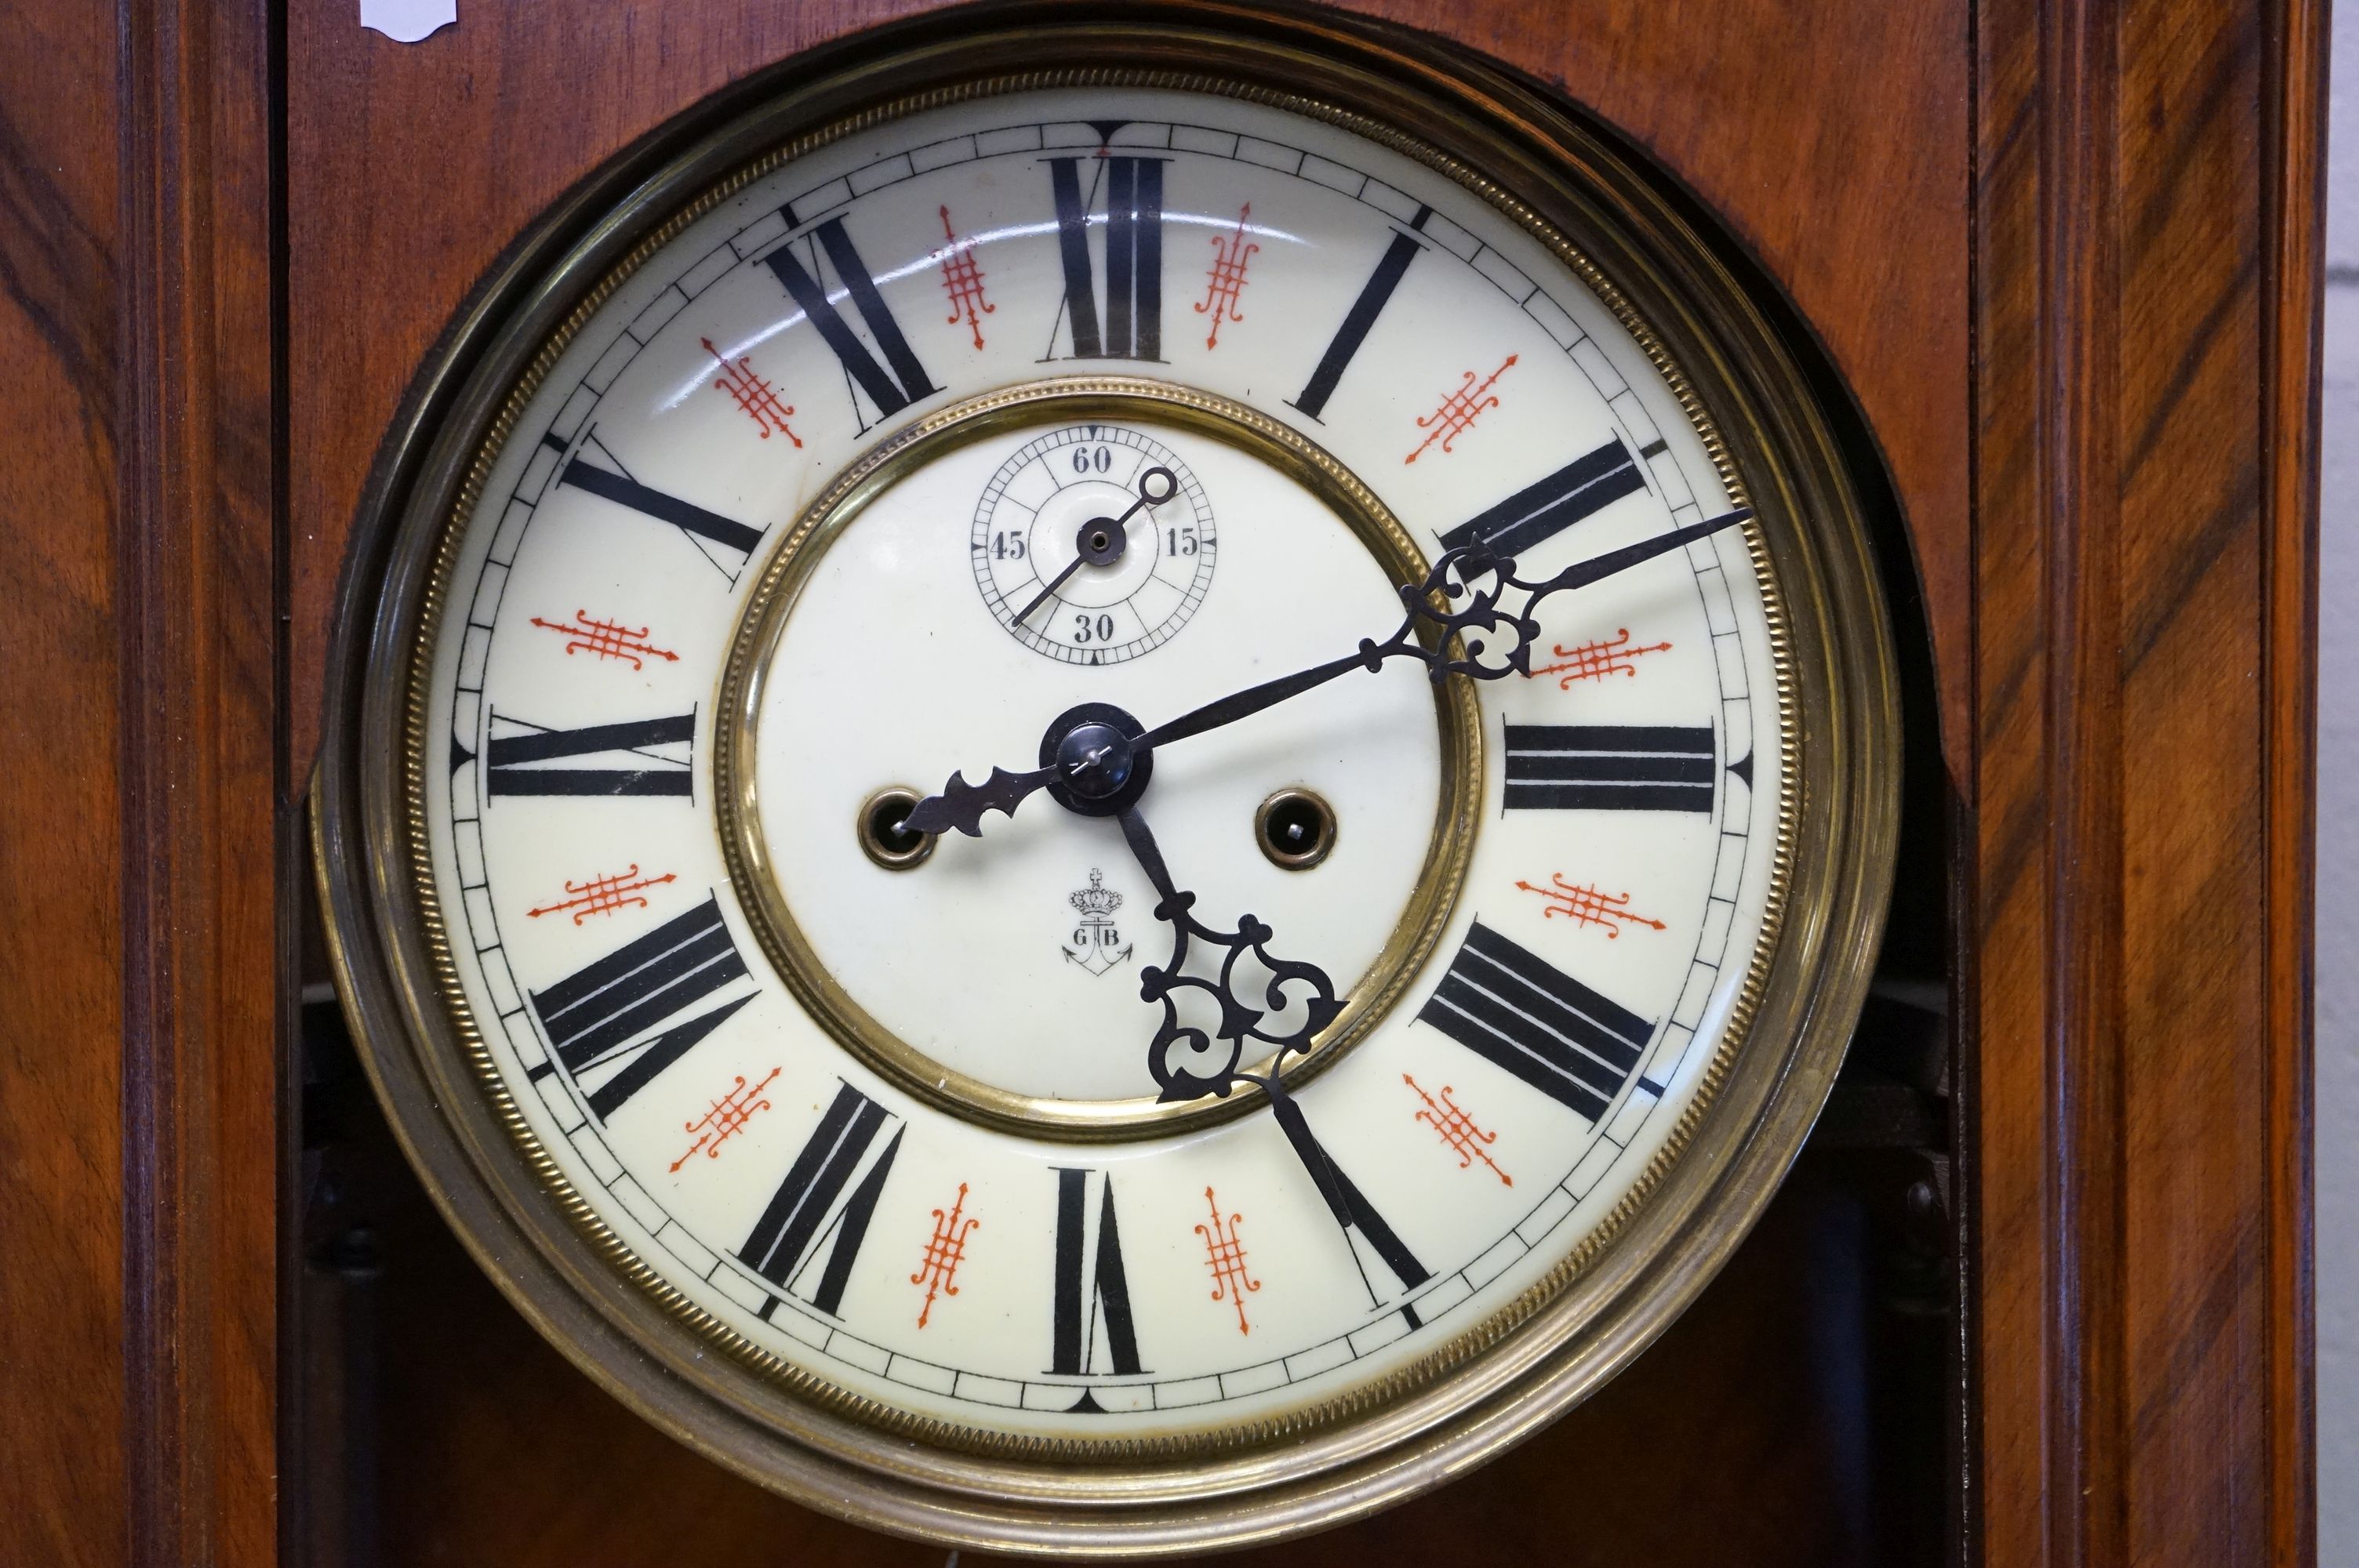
(62, 1314)
(2143, 558)
(139, 1106)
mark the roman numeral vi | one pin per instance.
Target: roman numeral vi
(1084, 1301)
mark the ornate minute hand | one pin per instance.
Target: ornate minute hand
(1470, 573)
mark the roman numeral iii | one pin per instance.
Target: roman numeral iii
(895, 382)
(1538, 512)
(1086, 1300)
(1132, 327)
(1522, 1014)
(810, 1212)
(601, 1014)
(1609, 767)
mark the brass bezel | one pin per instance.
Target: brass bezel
(1486, 1389)
(1064, 400)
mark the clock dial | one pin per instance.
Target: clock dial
(825, 1098)
(1094, 543)
(1101, 770)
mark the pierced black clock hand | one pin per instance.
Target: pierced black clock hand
(1190, 1062)
(1101, 541)
(1471, 574)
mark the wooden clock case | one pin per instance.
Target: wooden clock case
(2040, 1294)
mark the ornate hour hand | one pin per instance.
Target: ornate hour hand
(1190, 1062)
(1484, 607)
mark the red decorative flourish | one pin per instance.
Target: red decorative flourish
(729, 1114)
(962, 280)
(605, 639)
(755, 395)
(604, 895)
(1458, 409)
(1587, 906)
(1595, 661)
(944, 1253)
(1467, 1140)
(1226, 1256)
(1226, 277)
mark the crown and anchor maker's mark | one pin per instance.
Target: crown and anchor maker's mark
(1096, 943)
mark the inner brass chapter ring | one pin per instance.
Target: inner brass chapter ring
(1440, 875)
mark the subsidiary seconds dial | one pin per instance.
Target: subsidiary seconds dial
(1094, 543)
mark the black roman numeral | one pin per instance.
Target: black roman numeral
(1609, 767)
(1538, 1022)
(898, 379)
(1361, 317)
(1352, 1211)
(1537, 513)
(511, 759)
(689, 518)
(594, 1016)
(1133, 257)
(1083, 1301)
(806, 1214)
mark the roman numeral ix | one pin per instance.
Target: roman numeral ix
(513, 762)
(810, 1211)
(598, 1015)
(1609, 767)
(1363, 315)
(1523, 1014)
(1098, 1297)
(1538, 512)
(1132, 328)
(895, 382)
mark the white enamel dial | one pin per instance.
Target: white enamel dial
(1075, 561)
(1590, 910)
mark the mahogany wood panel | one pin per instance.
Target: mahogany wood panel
(61, 1310)
(411, 165)
(2145, 396)
(138, 1077)
(207, 810)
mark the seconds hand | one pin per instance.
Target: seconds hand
(1102, 540)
